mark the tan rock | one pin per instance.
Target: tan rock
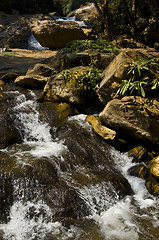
(154, 167)
(31, 81)
(135, 117)
(1, 83)
(117, 71)
(101, 130)
(66, 86)
(56, 34)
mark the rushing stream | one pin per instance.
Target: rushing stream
(68, 183)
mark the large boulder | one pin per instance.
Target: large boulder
(57, 63)
(115, 73)
(56, 34)
(154, 167)
(102, 60)
(133, 116)
(67, 86)
(86, 13)
(31, 81)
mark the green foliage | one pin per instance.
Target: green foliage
(143, 75)
(81, 45)
(87, 80)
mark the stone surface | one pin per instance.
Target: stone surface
(136, 117)
(101, 130)
(31, 81)
(139, 154)
(20, 60)
(59, 88)
(117, 71)
(41, 69)
(56, 34)
(138, 170)
(87, 13)
(154, 167)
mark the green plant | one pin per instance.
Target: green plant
(142, 75)
(81, 45)
(86, 80)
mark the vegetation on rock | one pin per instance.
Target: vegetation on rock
(143, 76)
(88, 79)
(81, 45)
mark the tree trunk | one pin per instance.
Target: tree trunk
(105, 16)
(132, 22)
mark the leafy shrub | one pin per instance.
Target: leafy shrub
(81, 45)
(144, 76)
(87, 80)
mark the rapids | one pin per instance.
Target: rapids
(62, 181)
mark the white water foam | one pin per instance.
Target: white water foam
(36, 133)
(71, 19)
(121, 220)
(33, 220)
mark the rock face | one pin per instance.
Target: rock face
(133, 116)
(115, 73)
(61, 88)
(87, 13)
(56, 34)
(154, 167)
(31, 81)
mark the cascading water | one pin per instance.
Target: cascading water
(33, 44)
(102, 214)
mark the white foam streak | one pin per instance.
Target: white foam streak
(36, 133)
(48, 149)
(33, 220)
(116, 223)
(33, 44)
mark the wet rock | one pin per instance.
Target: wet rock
(152, 185)
(135, 117)
(101, 130)
(31, 81)
(154, 167)
(9, 77)
(55, 113)
(139, 170)
(8, 132)
(41, 69)
(139, 154)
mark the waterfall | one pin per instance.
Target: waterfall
(109, 217)
(33, 44)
